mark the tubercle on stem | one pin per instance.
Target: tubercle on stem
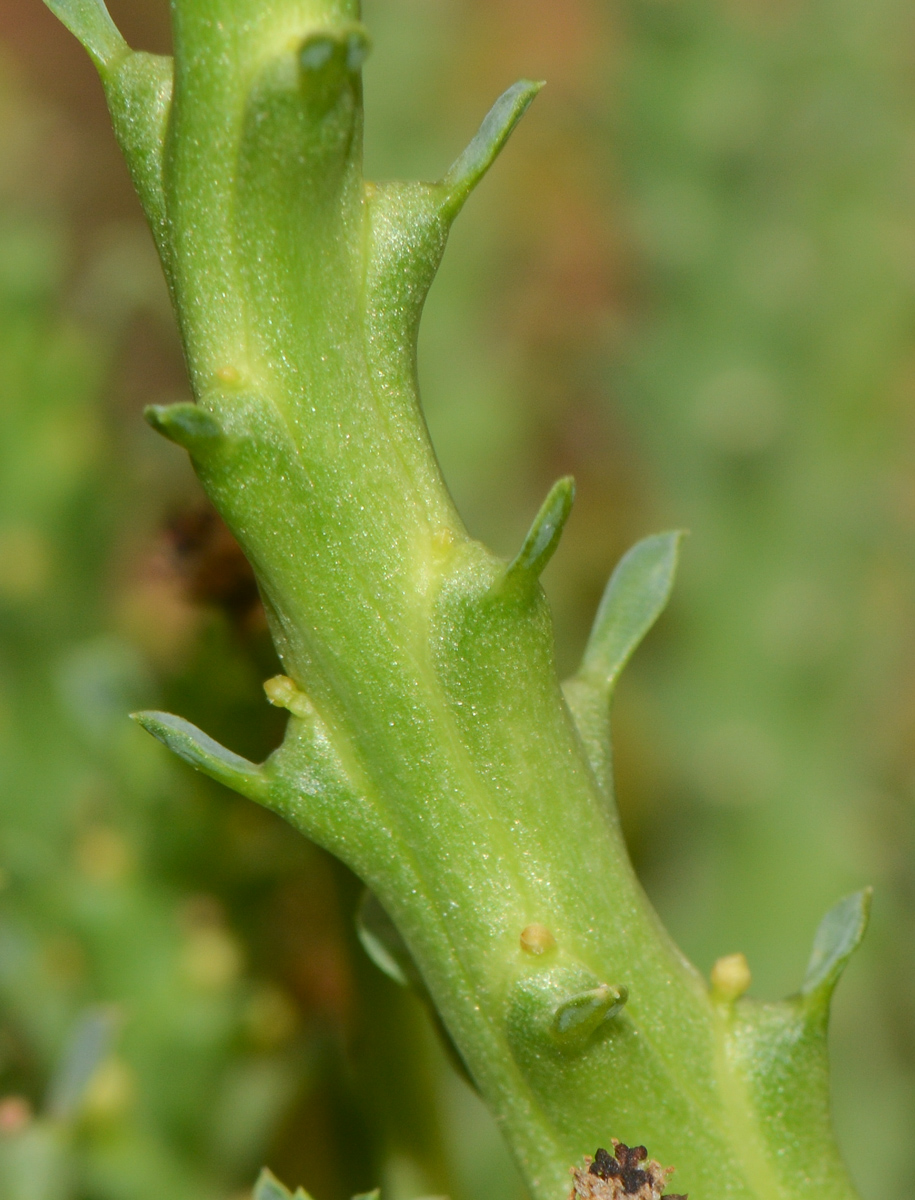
(408, 226)
(559, 1008)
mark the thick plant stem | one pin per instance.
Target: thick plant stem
(429, 743)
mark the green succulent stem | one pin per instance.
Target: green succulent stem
(429, 743)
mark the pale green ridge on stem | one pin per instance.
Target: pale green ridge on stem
(429, 744)
(634, 598)
(91, 23)
(138, 88)
(139, 93)
(408, 225)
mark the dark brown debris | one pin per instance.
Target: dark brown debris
(627, 1174)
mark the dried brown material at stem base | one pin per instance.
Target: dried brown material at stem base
(629, 1173)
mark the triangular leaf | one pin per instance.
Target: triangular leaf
(577, 1017)
(185, 423)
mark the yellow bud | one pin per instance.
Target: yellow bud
(537, 939)
(283, 692)
(731, 977)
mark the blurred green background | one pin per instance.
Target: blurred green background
(690, 281)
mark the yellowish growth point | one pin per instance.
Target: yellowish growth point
(283, 692)
(228, 375)
(731, 977)
(537, 939)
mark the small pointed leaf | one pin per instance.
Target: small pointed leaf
(543, 536)
(634, 599)
(579, 1016)
(187, 424)
(91, 23)
(498, 124)
(205, 754)
(839, 935)
(268, 1187)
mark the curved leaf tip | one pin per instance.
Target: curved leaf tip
(186, 424)
(543, 536)
(497, 127)
(205, 754)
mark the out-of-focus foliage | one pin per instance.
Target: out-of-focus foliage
(767, 159)
(690, 282)
(127, 1024)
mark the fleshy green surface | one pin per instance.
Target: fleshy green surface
(429, 745)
